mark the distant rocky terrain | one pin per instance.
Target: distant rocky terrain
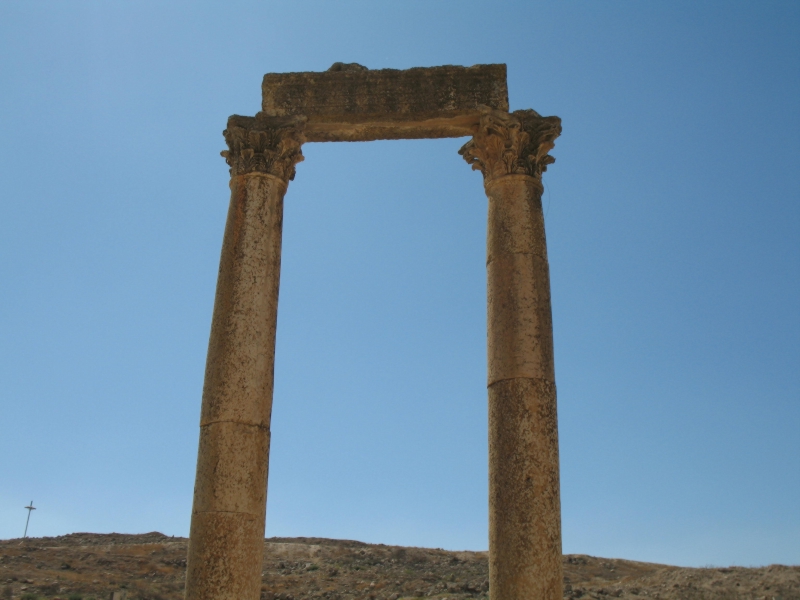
(152, 567)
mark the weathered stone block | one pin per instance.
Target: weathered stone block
(352, 103)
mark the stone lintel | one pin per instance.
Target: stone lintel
(350, 103)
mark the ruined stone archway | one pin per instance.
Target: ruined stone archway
(352, 103)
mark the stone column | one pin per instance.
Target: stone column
(226, 543)
(524, 503)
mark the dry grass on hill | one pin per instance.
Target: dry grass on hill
(152, 567)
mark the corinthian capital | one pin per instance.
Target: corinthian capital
(512, 143)
(269, 146)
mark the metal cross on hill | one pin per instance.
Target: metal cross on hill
(30, 508)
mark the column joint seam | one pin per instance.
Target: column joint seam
(266, 427)
(488, 385)
(227, 512)
(491, 260)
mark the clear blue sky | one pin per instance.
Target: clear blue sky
(673, 223)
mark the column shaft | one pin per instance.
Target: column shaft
(524, 504)
(511, 150)
(228, 516)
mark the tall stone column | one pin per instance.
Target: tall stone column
(524, 501)
(226, 544)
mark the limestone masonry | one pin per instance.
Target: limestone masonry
(351, 103)
(354, 104)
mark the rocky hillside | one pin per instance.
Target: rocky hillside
(152, 567)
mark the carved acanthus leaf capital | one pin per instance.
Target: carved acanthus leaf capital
(255, 146)
(512, 144)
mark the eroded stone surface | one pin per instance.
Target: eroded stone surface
(229, 510)
(524, 501)
(263, 144)
(512, 144)
(241, 351)
(520, 324)
(352, 104)
(224, 555)
(233, 457)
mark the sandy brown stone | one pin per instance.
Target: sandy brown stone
(520, 326)
(229, 510)
(224, 557)
(232, 468)
(239, 367)
(524, 503)
(515, 227)
(351, 104)
(519, 319)
(512, 143)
